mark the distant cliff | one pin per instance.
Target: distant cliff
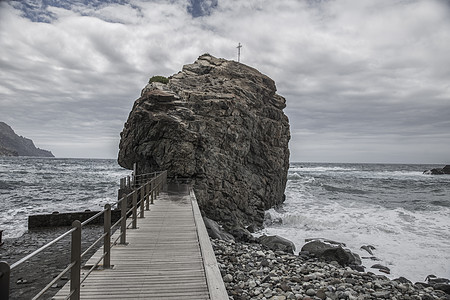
(13, 145)
(221, 124)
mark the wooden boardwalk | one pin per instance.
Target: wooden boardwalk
(162, 260)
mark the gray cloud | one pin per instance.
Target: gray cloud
(364, 81)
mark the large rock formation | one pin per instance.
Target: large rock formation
(221, 124)
(13, 145)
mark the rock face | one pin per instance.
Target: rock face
(221, 124)
(13, 145)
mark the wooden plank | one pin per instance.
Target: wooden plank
(163, 259)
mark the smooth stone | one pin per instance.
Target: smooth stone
(311, 292)
(228, 278)
(268, 293)
(321, 294)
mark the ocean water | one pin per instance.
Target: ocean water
(404, 214)
(43, 185)
(397, 209)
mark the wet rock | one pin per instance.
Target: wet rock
(275, 242)
(331, 252)
(433, 279)
(241, 234)
(252, 228)
(437, 171)
(381, 268)
(368, 248)
(343, 256)
(326, 241)
(446, 169)
(215, 231)
(316, 247)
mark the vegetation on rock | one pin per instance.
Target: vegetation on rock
(159, 78)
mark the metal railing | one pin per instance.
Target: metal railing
(142, 195)
(136, 180)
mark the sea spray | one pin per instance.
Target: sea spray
(401, 212)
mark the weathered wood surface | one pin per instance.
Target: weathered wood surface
(216, 287)
(162, 260)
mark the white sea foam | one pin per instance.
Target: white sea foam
(319, 169)
(412, 243)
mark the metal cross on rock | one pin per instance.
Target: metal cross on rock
(239, 52)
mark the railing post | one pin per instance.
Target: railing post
(5, 272)
(147, 196)
(142, 199)
(107, 238)
(123, 222)
(157, 185)
(134, 174)
(76, 259)
(152, 191)
(134, 201)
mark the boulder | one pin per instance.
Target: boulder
(381, 268)
(220, 123)
(343, 256)
(215, 231)
(242, 234)
(332, 252)
(316, 247)
(275, 242)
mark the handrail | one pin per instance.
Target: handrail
(146, 193)
(93, 217)
(54, 280)
(34, 253)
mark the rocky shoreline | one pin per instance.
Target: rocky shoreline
(251, 271)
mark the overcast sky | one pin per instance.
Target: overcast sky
(365, 81)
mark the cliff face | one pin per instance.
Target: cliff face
(221, 124)
(13, 145)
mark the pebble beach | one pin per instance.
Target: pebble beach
(250, 271)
